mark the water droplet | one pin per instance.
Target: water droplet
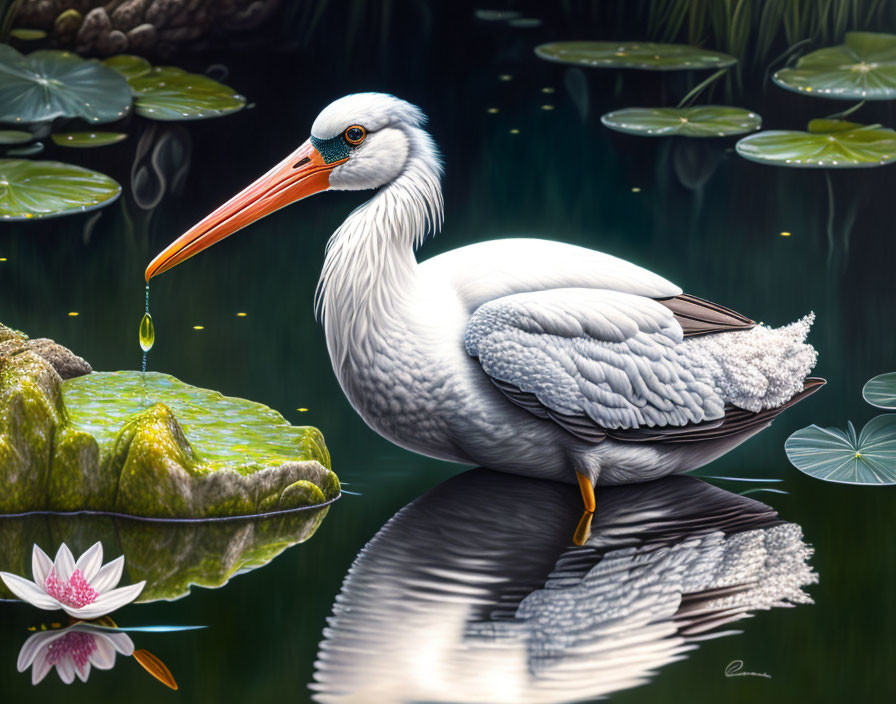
(147, 333)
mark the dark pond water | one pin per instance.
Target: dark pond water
(429, 601)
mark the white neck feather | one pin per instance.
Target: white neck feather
(370, 268)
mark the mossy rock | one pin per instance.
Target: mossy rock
(151, 447)
(171, 557)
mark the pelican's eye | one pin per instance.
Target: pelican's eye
(355, 134)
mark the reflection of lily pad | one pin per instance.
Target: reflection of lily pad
(50, 84)
(27, 150)
(828, 144)
(128, 65)
(881, 391)
(169, 93)
(835, 456)
(107, 442)
(864, 67)
(171, 557)
(42, 189)
(87, 139)
(698, 121)
(15, 137)
(648, 56)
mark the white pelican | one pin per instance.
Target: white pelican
(523, 355)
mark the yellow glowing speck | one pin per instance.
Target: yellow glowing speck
(636, 189)
(547, 107)
(547, 89)
(302, 410)
(514, 131)
(199, 327)
(32, 628)
(785, 234)
(3, 259)
(240, 315)
(492, 111)
(73, 314)
(505, 77)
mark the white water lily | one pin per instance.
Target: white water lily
(83, 589)
(72, 651)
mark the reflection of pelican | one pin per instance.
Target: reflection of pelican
(471, 594)
(530, 356)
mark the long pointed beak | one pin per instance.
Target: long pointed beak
(303, 173)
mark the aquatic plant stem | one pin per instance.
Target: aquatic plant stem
(700, 87)
(845, 113)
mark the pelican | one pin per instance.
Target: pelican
(523, 355)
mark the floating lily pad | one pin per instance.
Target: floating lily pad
(26, 150)
(835, 456)
(863, 68)
(27, 35)
(45, 189)
(87, 139)
(168, 93)
(49, 84)
(834, 144)
(648, 56)
(128, 65)
(698, 121)
(881, 391)
(15, 137)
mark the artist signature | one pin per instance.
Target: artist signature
(735, 668)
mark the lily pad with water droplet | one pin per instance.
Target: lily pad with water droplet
(31, 190)
(881, 391)
(647, 56)
(87, 139)
(832, 144)
(697, 121)
(15, 136)
(48, 84)
(128, 65)
(171, 94)
(862, 68)
(842, 457)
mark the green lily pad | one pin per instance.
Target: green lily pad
(27, 35)
(168, 93)
(832, 144)
(128, 65)
(87, 139)
(44, 189)
(835, 456)
(863, 68)
(648, 56)
(881, 391)
(49, 84)
(15, 137)
(697, 121)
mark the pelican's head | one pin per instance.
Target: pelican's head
(358, 142)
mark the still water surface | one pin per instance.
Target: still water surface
(695, 213)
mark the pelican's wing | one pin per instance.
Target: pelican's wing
(591, 360)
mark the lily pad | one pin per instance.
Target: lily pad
(163, 449)
(697, 121)
(87, 139)
(45, 189)
(49, 84)
(169, 93)
(862, 68)
(27, 149)
(835, 456)
(881, 391)
(648, 56)
(27, 35)
(15, 137)
(128, 65)
(832, 144)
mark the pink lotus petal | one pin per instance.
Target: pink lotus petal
(65, 668)
(108, 602)
(41, 565)
(33, 645)
(41, 667)
(26, 590)
(83, 674)
(90, 562)
(121, 642)
(109, 575)
(64, 563)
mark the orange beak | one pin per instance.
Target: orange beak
(303, 173)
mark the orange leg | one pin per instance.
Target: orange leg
(587, 492)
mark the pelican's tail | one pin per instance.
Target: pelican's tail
(756, 369)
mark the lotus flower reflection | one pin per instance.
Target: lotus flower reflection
(83, 589)
(72, 651)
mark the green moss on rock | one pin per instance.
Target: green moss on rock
(148, 446)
